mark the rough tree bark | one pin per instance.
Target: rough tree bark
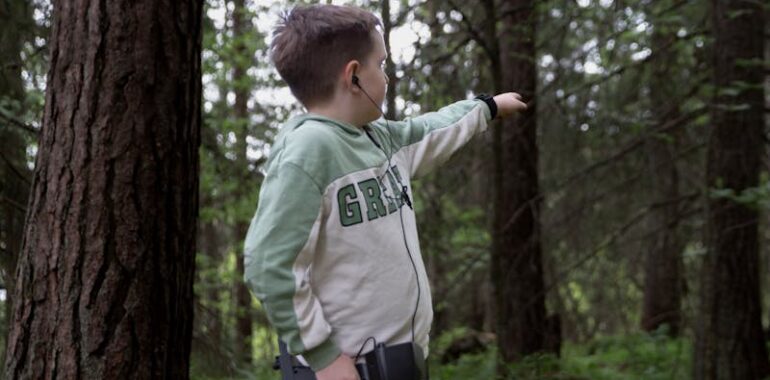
(104, 286)
(517, 269)
(729, 341)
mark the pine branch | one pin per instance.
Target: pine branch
(450, 54)
(632, 146)
(616, 34)
(479, 257)
(20, 124)
(512, 11)
(614, 236)
(401, 17)
(475, 35)
(18, 206)
(622, 69)
(682, 120)
(627, 182)
(15, 171)
(701, 30)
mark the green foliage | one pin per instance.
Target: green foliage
(631, 357)
(233, 147)
(757, 197)
(636, 356)
(475, 366)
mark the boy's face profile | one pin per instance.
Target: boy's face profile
(372, 76)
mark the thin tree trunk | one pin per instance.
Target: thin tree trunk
(104, 285)
(210, 247)
(729, 339)
(492, 283)
(14, 175)
(437, 252)
(663, 267)
(241, 28)
(390, 67)
(243, 320)
(517, 271)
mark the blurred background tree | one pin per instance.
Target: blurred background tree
(23, 67)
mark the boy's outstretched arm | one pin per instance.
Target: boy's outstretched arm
(428, 140)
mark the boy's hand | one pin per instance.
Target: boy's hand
(341, 368)
(508, 103)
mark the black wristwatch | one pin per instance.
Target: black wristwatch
(490, 103)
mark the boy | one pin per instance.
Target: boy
(332, 252)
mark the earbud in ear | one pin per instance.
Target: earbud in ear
(355, 80)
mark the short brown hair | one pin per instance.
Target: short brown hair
(312, 44)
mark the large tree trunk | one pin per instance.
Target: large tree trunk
(104, 286)
(662, 271)
(517, 271)
(241, 63)
(729, 342)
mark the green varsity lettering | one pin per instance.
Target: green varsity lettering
(374, 206)
(350, 211)
(373, 190)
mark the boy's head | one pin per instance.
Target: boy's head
(314, 44)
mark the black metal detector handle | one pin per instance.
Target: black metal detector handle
(290, 371)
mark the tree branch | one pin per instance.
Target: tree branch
(18, 206)
(481, 256)
(13, 169)
(513, 11)
(672, 124)
(401, 17)
(614, 236)
(450, 54)
(682, 120)
(472, 31)
(575, 212)
(19, 123)
(620, 70)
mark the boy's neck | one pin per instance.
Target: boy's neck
(345, 115)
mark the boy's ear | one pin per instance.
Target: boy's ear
(351, 68)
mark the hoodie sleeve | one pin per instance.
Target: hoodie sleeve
(430, 139)
(279, 248)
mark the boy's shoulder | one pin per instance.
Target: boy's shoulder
(307, 142)
(309, 137)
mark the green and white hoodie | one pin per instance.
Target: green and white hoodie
(325, 252)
